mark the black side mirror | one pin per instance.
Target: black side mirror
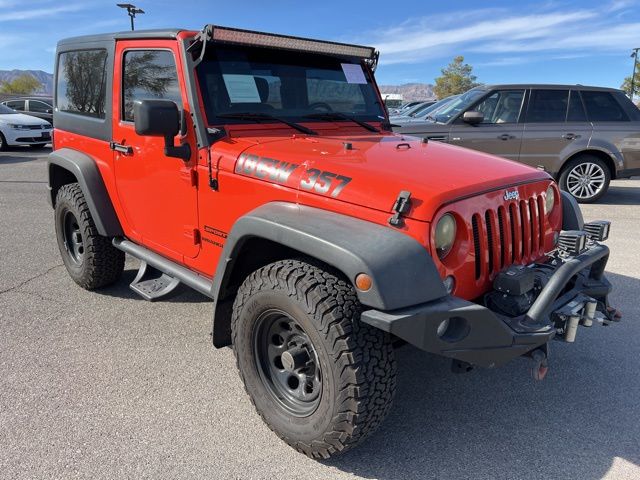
(49, 110)
(160, 118)
(473, 118)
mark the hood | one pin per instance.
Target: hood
(376, 168)
(22, 119)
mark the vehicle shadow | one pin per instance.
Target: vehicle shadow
(502, 424)
(182, 293)
(13, 155)
(620, 195)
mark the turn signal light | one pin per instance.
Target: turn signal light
(597, 230)
(363, 282)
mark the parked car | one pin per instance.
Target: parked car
(583, 136)
(404, 108)
(41, 107)
(319, 236)
(19, 129)
(423, 113)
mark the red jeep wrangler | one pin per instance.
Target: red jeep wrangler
(260, 170)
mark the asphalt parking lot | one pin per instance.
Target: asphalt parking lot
(106, 385)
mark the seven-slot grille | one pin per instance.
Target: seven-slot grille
(512, 233)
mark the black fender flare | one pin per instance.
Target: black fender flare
(571, 214)
(85, 171)
(402, 269)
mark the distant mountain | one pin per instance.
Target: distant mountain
(45, 79)
(410, 91)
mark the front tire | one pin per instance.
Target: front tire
(586, 177)
(3, 143)
(91, 260)
(318, 377)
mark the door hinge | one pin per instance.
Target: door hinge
(190, 176)
(401, 206)
(193, 234)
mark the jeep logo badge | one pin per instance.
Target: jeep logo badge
(514, 195)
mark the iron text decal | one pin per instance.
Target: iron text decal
(312, 180)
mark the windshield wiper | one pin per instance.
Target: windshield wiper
(258, 117)
(341, 116)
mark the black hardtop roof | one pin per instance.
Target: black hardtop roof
(163, 33)
(547, 86)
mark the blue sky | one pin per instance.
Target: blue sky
(586, 41)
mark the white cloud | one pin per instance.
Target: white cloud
(13, 15)
(509, 34)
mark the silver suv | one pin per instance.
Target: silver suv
(583, 136)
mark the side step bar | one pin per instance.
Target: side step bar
(158, 262)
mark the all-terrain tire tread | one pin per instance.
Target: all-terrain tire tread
(363, 356)
(103, 263)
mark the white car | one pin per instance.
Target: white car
(19, 129)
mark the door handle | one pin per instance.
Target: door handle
(570, 136)
(506, 136)
(118, 147)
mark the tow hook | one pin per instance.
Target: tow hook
(540, 364)
(613, 314)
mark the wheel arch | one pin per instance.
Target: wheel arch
(402, 270)
(606, 157)
(66, 166)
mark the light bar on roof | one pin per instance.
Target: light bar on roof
(248, 37)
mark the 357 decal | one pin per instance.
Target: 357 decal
(312, 179)
(323, 182)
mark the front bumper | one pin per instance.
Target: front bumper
(480, 336)
(26, 136)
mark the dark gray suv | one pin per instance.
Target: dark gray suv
(583, 136)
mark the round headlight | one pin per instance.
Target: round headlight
(550, 199)
(445, 235)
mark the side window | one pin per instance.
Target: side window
(81, 86)
(576, 113)
(502, 106)
(16, 105)
(38, 106)
(547, 106)
(149, 74)
(603, 107)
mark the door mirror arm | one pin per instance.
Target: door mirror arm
(182, 151)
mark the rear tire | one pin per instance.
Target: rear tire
(91, 260)
(319, 378)
(586, 178)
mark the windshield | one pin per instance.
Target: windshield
(6, 110)
(464, 101)
(284, 84)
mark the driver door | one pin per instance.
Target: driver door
(501, 131)
(158, 193)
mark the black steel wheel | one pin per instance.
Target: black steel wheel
(91, 260)
(319, 378)
(287, 362)
(72, 237)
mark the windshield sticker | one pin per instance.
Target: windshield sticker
(353, 73)
(241, 88)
